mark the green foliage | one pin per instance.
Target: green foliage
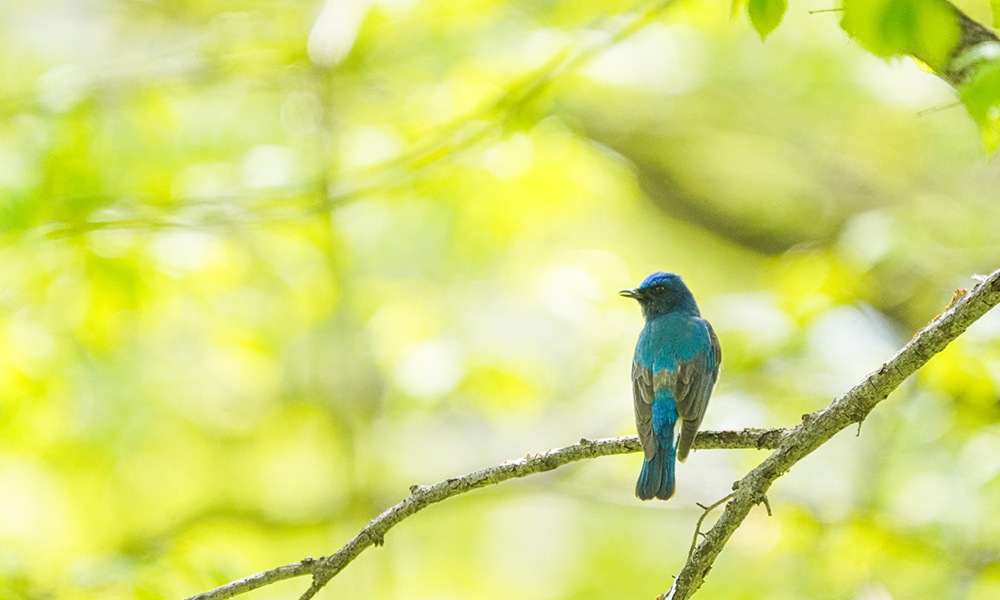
(736, 8)
(250, 294)
(926, 29)
(981, 97)
(765, 15)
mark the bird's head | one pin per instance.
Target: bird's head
(662, 293)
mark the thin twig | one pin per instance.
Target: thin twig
(701, 519)
(938, 108)
(767, 505)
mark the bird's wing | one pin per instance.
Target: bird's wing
(643, 394)
(695, 379)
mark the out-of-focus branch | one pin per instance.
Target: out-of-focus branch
(818, 427)
(958, 70)
(468, 129)
(325, 568)
(444, 141)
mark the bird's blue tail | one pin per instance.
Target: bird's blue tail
(657, 477)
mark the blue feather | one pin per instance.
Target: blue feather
(656, 480)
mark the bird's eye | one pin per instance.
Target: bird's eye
(660, 289)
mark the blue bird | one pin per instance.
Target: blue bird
(676, 364)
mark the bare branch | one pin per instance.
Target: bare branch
(305, 566)
(820, 426)
(324, 569)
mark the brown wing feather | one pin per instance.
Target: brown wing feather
(695, 380)
(642, 395)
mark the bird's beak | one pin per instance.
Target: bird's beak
(633, 293)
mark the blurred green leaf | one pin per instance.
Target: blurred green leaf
(736, 8)
(926, 29)
(766, 14)
(981, 97)
(995, 9)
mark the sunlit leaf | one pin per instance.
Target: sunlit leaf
(981, 97)
(927, 29)
(766, 14)
(736, 8)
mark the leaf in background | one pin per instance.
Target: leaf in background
(926, 29)
(981, 97)
(737, 8)
(995, 8)
(766, 14)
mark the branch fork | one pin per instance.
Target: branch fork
(789, 445)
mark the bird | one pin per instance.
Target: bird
(676, 364)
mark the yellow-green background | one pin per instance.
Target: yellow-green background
(261, 271)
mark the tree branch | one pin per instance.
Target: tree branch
(325, 568)
(820, 426)
(958, 70)
(792, 446)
